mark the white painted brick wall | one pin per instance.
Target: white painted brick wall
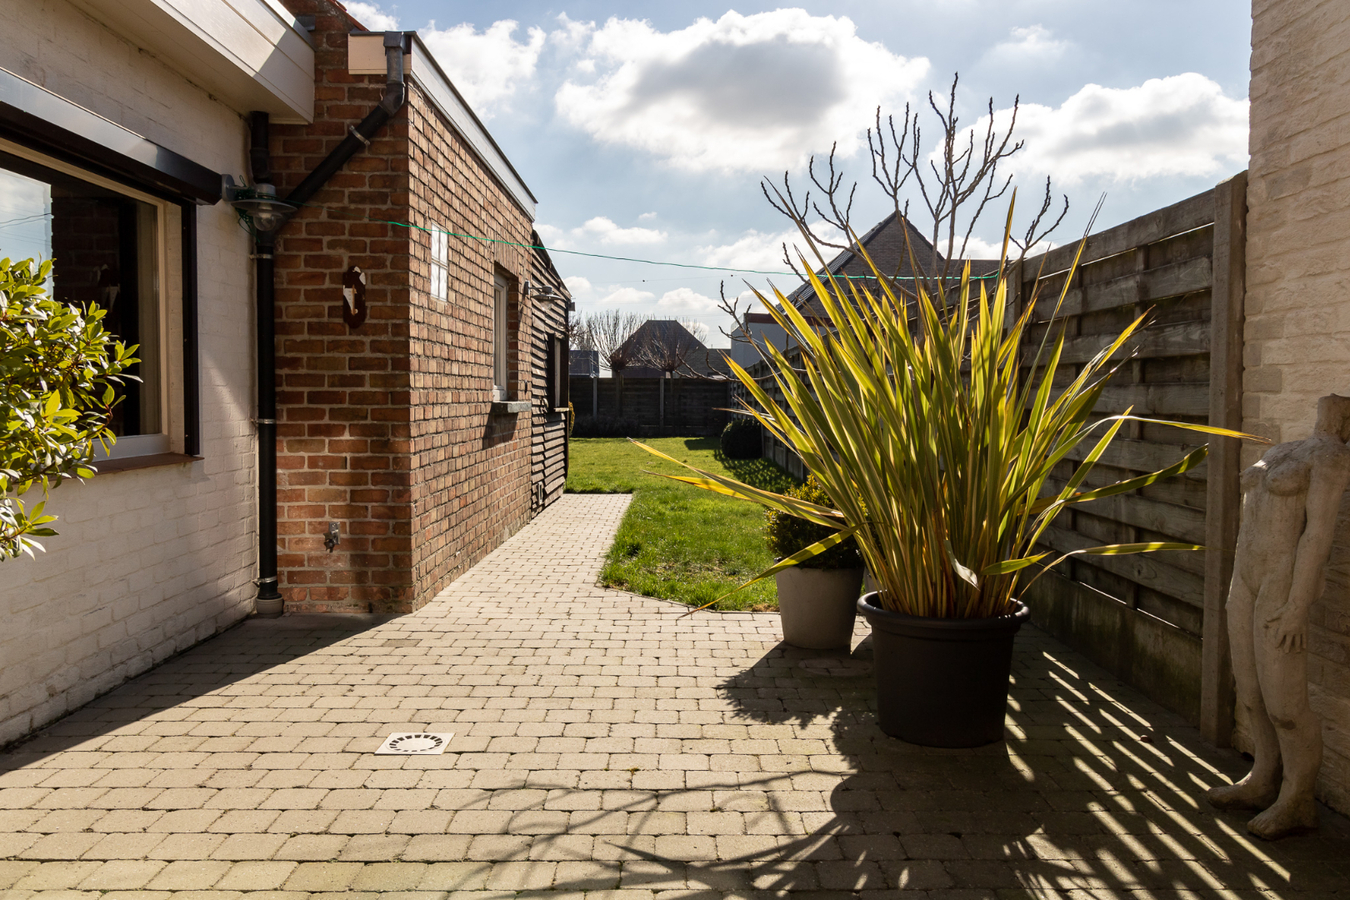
(1297, 337)
(148, 562)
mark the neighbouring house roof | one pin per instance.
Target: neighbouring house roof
(696, 360)
(889, 244)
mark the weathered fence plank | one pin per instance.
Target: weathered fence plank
(1225, 411)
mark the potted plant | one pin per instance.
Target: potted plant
(817, 598)
(932, 428)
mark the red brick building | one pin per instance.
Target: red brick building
(423, 423)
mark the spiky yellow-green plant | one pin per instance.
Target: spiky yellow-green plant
(934, 439)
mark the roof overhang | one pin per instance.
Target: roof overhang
(35, 117)
(247, 53)
(365, 55)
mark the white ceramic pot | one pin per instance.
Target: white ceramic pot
(817, 606)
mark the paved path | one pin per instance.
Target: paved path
(606, 746)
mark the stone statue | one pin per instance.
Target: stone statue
(1289, 504)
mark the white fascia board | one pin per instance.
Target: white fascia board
(247, 53)
(423, 69)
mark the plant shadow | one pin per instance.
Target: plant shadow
(1093, 788)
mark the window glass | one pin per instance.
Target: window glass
(499, 340)
(440, 263)
(104, 245)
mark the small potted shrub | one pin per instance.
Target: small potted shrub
(817, 598)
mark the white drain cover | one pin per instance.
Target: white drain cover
(414, 743)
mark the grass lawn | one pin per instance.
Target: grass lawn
(678, 542)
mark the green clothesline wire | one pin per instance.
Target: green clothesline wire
(649, 262)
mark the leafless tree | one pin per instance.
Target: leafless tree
(579, 334)
(955, 183)
(609, 331)
(668, 348)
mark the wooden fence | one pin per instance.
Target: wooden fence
(669, 406)
(1155, 620)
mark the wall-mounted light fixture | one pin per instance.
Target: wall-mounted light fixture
(258, 205)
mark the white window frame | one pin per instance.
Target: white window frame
(501, 371)
(170, 436)
(440, 263)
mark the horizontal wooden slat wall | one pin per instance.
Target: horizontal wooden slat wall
(548, 449)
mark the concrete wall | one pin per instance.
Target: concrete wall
(1297, 333)
(148, 561)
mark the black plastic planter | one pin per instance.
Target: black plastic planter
(941, 682)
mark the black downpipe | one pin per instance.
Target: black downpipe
(357, 139)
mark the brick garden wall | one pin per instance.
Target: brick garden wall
(1297, 335)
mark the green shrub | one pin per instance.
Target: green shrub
(741, 439)
(788, 534)
(58, 366)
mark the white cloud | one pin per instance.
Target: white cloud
(372, 16)
(579, 287)
(597, 231)
(1182, 125)
(758, 251)
(976, 248)
(488, 67)
(685, 300)
(610, 233)
(745, 93)
(624, 296)
(1032, 44)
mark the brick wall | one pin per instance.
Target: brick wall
(342, 394)
(386, 429)
(471, 485)
(150, 561)
(1297, 334)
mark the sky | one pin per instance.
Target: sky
(646, 129)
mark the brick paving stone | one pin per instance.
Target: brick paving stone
(189, 875)
(322, 876)
(256, 875)
(606, 746)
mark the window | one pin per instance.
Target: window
(108, 250)
(555, 385)
(500, 370)
(440, 263)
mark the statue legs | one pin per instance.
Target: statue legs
(1287, 736)
(1284, 681)
(1261, 785)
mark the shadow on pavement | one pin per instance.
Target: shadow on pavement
(250, 648)
(1094, 788)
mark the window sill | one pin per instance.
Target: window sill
(154, 460)
(510, 407)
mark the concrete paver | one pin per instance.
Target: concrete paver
(606, 746)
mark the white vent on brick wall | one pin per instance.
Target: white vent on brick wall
(414, 743)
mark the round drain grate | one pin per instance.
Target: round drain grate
(414, 744)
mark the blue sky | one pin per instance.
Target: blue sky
(645, 128)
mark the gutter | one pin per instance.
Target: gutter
(269, 602)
